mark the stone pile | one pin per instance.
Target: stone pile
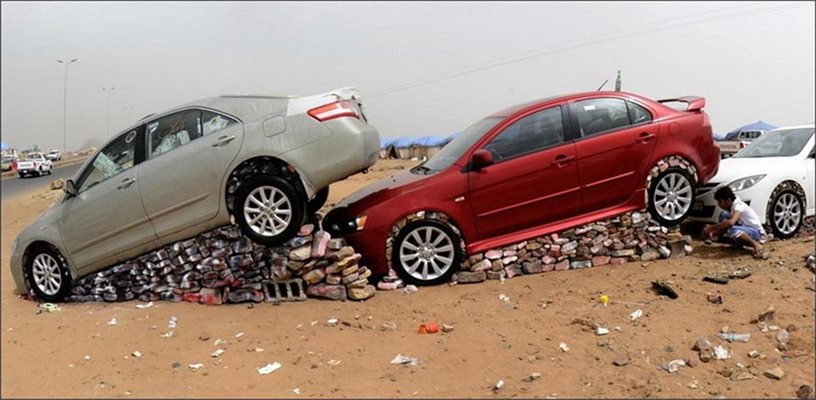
(222, 266)
(630, 237)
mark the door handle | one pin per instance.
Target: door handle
(562, 159)
(223, 140)
(126, 183)
(645, 137)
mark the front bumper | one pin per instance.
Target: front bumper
(369, 242)
(705, 208)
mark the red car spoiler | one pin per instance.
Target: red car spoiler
(694, 103)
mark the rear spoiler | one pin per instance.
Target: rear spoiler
(693, 103)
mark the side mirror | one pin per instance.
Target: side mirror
(480, 159)
(70, 188)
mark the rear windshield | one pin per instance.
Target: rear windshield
(784, 143)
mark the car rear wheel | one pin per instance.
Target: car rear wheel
(48, 274)
(268, 210)
(426, 253)
(671, 195)
(786, 213)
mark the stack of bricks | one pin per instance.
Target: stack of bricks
(222, 266)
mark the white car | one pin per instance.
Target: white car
(774, 175)
(54, 155)
(34, 163)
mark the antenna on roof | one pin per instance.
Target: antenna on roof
(602, 85)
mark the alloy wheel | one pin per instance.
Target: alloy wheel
(47, 274)
(672, 196)
(426, 253)
(787, 213)
(267, 210)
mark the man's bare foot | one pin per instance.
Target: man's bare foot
(760, 253)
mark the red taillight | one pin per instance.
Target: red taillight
(338, 109)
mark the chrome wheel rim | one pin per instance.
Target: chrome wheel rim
(672, 196)
(426, 253)
(787, 213)
(47, 274)
(267, 211)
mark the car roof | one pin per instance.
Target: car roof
(523, 106)
(786, 128)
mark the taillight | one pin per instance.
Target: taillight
(343, 108)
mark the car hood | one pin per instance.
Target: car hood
(732, 169)
(382, 190)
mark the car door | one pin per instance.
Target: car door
(616, 139)
(533, 180)
(106, 218)
(188, 154)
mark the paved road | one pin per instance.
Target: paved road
(14, 186)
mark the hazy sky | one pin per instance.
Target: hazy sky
(750, 60)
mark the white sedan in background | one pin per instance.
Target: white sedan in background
(774, 175)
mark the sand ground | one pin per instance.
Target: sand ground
(44, 355)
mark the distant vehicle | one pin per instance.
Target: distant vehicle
(527, 171)
(774, 175)
(7, 163)
(54, 155)
(34, 163)
(265, 161)
(730, 147)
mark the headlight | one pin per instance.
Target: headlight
(745, 183)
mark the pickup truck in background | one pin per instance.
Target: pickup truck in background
(730, 147)
(34, 163)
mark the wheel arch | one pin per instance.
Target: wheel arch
(784, 184)
(416, 215)
(264, 165)
(39, 243)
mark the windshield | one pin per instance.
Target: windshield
(784, 143)
(454, 150)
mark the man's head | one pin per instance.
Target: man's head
(725, 197)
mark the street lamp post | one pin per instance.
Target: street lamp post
(65, 103)
(108, 89)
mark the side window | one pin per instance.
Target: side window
(167, 133)
(117, 157)
(601, 115)
(637, 114)
(533, 132)
(213, 122)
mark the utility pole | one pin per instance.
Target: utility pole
(65, 104)
(108, 89)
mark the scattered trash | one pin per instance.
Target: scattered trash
(498, 386)
(775, 373)
(673, 366)
(782, 337)
(506, 300)
(715, 298)
(765, 316)
(532, 377)
(564, 347)
(636, 314)
(621, 361)
(269, 368)
(195, 366)
(143, 306)
(87, 358)
(604, 300)
(204, 336)
(401, 359)
(410, 289)
(217, 353)
(430, 327)
(664, 289)
(172, 323)
(735, 337)
(739, 274)
(753, 354)
(49, 307)
(168, 334)
(239, 335)
(447, 328)
(721, 353)
(600, 331)
(716, 279)
(136, 354)
(388, 326)
(296, 391)
(113, 321)
(258, 350)
(333, 362)
(219, 341)
(332, 322)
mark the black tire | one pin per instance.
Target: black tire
(404, 271)
(318, 201)
(55, 294)
(297, 210)
(779, 214)
(22, 175)
(39, 172)
(667, 220)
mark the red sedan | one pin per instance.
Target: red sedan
(530, 170)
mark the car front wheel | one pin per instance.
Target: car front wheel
(786, 213)
(671, 195)
(268, 210)
(426, 252)
(48, 274)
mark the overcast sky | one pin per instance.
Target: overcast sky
(455, 62)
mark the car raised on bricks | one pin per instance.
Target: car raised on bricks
(774, 175)
(264, 161)
(529, 170)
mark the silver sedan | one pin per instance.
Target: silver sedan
(264, 161)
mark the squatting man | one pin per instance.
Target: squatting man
(738, 222)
